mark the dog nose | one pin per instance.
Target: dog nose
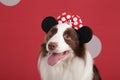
(52, 45)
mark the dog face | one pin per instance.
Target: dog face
(62, 41)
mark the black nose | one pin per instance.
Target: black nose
(52, 46)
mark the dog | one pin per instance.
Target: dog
(63, 55)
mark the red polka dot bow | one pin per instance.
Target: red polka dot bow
(73, 20)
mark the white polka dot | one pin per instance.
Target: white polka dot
(63, 19)
(76, 28)
(78, 16)
(68, 16)
(75, 23)
(80, 25)
(73, 15)
(75, 19)
(64, 13)
(91, 46)
(10, 2)
(80, 21)
(58, 17)
(60, 21)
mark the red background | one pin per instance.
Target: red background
(21, 35)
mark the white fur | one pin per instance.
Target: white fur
(75, 69)
(69, 68)
(58, 38)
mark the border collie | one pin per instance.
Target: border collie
(63, 55)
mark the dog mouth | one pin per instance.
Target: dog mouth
(54, 57)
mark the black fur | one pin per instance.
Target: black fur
(96, 73)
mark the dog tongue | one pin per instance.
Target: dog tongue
(54, 58)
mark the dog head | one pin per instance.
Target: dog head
(62, 41)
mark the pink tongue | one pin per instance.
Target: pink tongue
(53, 59)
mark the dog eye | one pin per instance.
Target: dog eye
(67, 37)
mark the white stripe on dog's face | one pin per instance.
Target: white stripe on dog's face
(62, 43)
(59, 39)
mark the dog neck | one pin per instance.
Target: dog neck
(73, 68)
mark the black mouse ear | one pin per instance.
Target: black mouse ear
(48, 23)
(84, 34)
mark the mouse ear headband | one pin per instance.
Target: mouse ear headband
(84, 32)
(72, 20)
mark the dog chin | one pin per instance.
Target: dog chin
(56, 57)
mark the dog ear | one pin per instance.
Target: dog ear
(48, 23)
(84, 34)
